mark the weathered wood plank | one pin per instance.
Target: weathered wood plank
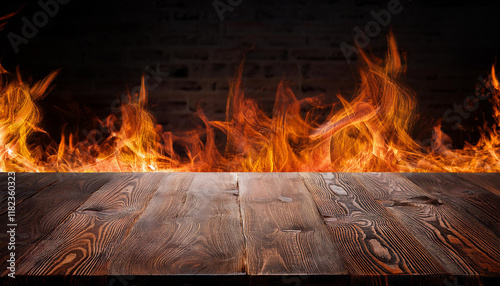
(455, 239)
(83, 244)
(27, 184)
(284, 231)
(43, 212)
(191, 226)
(488, 181)
(462, 195)
(370, 239)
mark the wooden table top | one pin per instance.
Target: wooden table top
(254, 228)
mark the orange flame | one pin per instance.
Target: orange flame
(3, 19)
(369, 133)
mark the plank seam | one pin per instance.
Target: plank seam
(245, 257)
(315, 204)
(329, 235)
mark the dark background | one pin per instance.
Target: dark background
(103, 47)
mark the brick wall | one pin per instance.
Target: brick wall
(104, 46)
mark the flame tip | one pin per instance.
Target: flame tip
(370, 132)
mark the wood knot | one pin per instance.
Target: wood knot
(234, 192)
(93, 209)
(427, 200)
(414, 201)
(329, 218)
(285, 199)
(379, 250)
(339, 191)
(292, 230)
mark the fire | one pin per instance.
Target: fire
(369, 133)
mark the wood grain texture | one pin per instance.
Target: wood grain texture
(38, 215)
(27, 185)
(191, 226)
(455, 239)
(284, 231)
(370, 239)
(83, 244)
(488, 181)
(256, 229)
(465, 197)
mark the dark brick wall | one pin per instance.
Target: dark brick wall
(104, 46)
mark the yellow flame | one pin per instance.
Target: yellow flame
(371, 132)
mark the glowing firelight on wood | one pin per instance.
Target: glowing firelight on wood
(369, 133)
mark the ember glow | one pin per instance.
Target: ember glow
(370, 133)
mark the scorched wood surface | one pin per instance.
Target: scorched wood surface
(255, 228)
